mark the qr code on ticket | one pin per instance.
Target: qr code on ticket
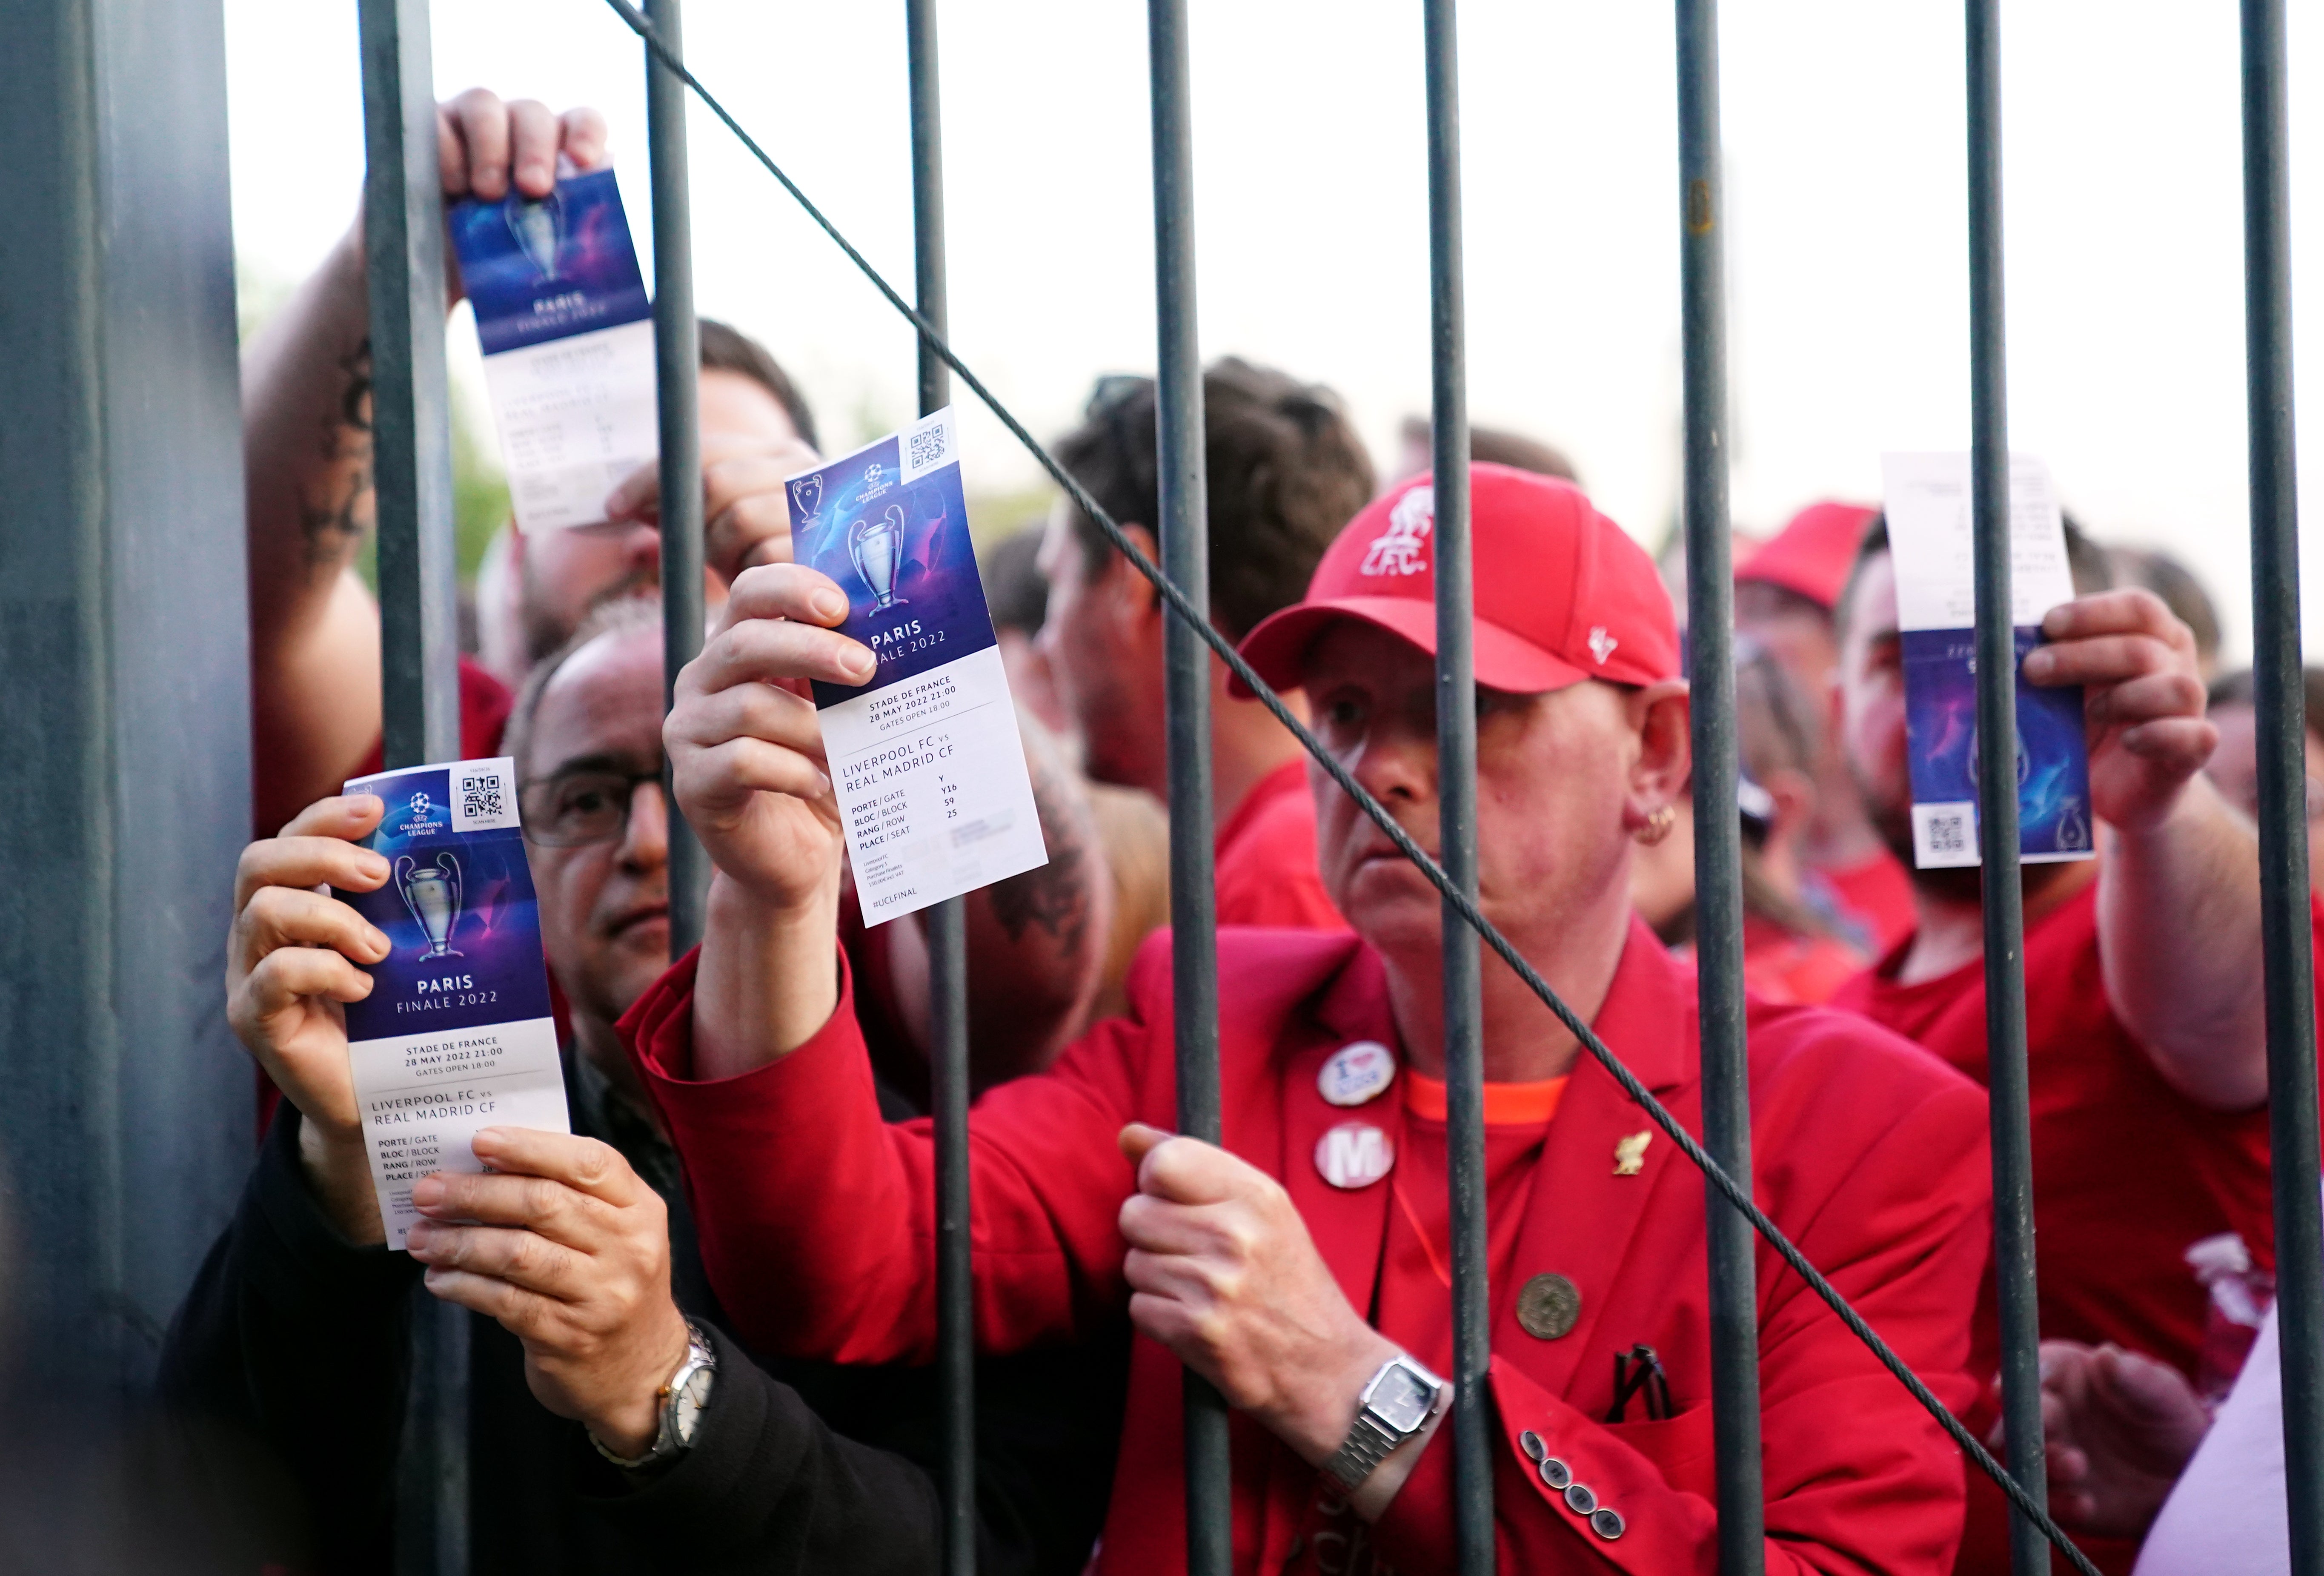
(1944, 835)
(483, 797)
(927, 448)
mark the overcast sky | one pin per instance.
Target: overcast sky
(1847, 236)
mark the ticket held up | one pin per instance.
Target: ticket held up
(568, 335)
(1927, 499)
(458, 1033)
(926, 760)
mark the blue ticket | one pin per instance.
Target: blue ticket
(1926, 498)
(927, 759)
(457, 1033)
(566, 325)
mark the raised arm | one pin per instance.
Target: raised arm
(2179, 915)
(306, 450)
(814, 1214)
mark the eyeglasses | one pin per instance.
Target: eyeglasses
(575, 808)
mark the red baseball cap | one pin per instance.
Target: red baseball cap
(1562, 593)
(1812, 554)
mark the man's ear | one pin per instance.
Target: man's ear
(1130, 593)
(1794, 793)
(1661, 714)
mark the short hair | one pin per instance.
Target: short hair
(1498, 446)
(2085, 560)
(620, 616)
(2238, 689)
(2179, 588)
(1286, 469)
(1013, 585)
(726, 348)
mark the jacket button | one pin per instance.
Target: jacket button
(1579, 1500)
(1606, 1523)
(1530, 1443)
(1557, 1473)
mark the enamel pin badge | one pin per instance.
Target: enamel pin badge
(1356, 1072)
(1630, 1153)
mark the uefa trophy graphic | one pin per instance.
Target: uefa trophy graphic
(877, 547)
(432, 893)
(808, 493)
(537, 226)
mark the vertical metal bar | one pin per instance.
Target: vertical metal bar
(1718, 827)
(677, 370)
(403, 242)
(947, 927)
(1997, 789)
(1456, 780)
(2279, 701)
(1185, 525)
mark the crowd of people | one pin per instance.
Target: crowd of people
(748, 1190)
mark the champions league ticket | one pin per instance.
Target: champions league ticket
(1927, 498)
(562, 313)
(457, 1033)
(926, 760)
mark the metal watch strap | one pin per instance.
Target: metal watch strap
(1366, 1446)
(699, 1355)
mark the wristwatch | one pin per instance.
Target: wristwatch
(682, 1401)
(1400, 1398)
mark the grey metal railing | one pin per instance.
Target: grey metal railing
(417, 659)
(418, 602)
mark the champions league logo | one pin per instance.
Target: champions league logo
(432, 893)
(537, 225)
(877, 548)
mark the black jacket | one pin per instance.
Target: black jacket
(297, 1340)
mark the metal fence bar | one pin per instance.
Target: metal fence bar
(677, 371)
(1183, 609)
(1718, 826)
(2280, 704)
(1184, 506)
(1997, 719)
(1456, 789)
(947, 926)
(403, 243)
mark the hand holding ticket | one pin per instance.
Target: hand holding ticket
(455, 1034)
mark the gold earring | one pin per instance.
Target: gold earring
(1657, 826)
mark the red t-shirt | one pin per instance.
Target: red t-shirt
(2128, 1171)
(1878, 895)
(1264, 858)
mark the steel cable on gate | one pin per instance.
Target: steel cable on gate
(1734, 1193)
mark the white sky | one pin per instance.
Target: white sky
(1847, 239)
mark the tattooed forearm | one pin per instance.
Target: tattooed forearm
(1056, 896)
(338, 507)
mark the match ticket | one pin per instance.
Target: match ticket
(568, 343)
(927, 759)
(1927, 499)
(457, 1033)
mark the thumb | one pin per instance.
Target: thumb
(1138, 1140)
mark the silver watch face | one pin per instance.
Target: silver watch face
(1401, 1399)
(686, 1403)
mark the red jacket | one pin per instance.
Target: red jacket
(815, 1225)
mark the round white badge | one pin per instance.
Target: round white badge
(1356, 1072)
(1354, 1155)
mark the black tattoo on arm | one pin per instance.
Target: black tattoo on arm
(337, 511)
(1055, 896)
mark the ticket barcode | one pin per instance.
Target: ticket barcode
(1944, 835)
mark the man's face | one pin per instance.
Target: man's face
(1553, 774)
(1793, 630)
(1872, 704)
(564, 574)
(1109, 683)
(604, 906)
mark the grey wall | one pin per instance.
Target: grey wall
(125, 1108)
